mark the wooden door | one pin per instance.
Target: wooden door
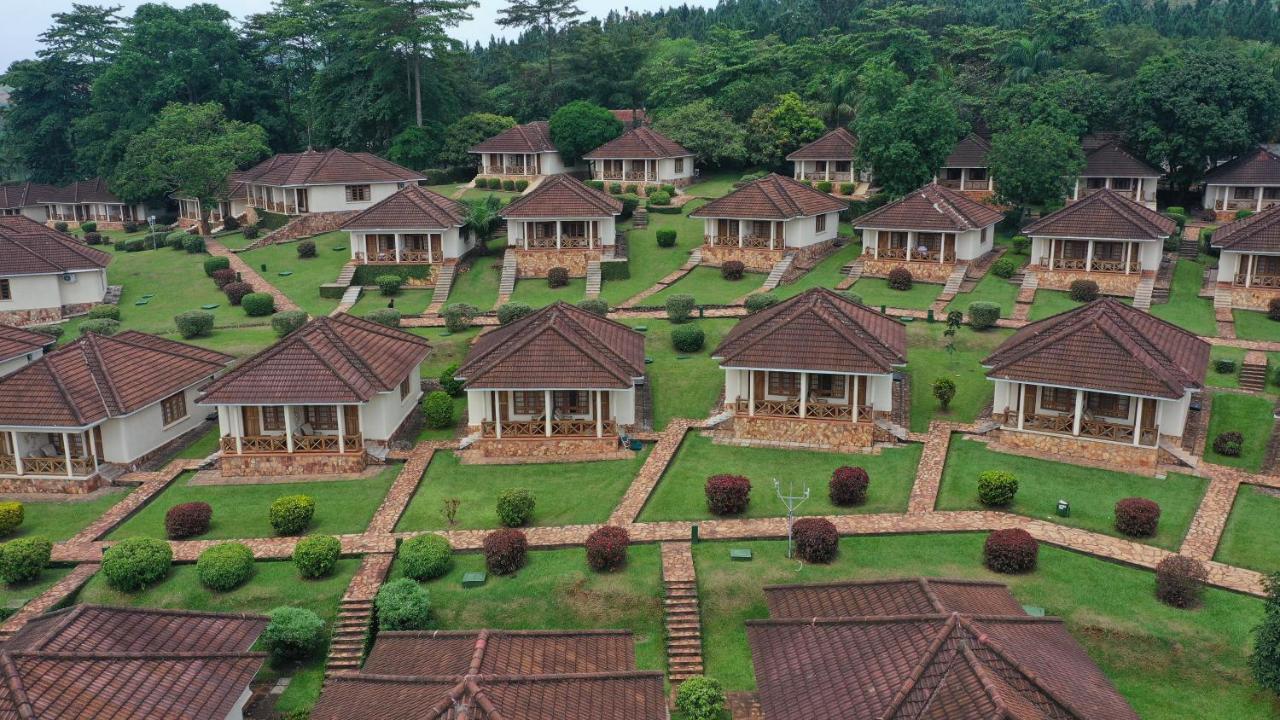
(1148, 413)
(437, 247)
(604, 406)
(302, 200)
(351, 419)
(862, 390)
(252, 421)
(758, 380)
(1028, 400)
(97, 442)
(503, 412)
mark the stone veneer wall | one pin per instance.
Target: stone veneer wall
(233, 465)
(923, 271)
(537, 263)
(1251, 298)
(838, 435)
(70, 486)
(756, 259)
(1108, 283)
(43, 316)
(1126, 458)
(551, 449)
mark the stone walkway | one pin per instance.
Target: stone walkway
(49, 599)
(651, 472)
(924, 492)
(251, 276)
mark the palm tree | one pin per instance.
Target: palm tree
(482, 217)
(1027, 57)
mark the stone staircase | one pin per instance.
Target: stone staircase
(680, 605)
(1222, 298)
(444, 282)
(1142, 296)
(954, 281)
(507, 285)
(1253, 371)
(852, 273)
(780, 269)
(343, 283)
(593, 279)
(351, 296)
(640, 218)
(893, 429)
(355, 614)
(1177, 451)
(304, 226)
(695, 257)
(1189, 248)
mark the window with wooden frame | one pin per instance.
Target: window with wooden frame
(679, 165)
(321, 417)
(272, 418)
(173, 408)
(6, 292)
(357, 193)
(527, 402)
(977, 173)
(1108, 405)
(820, 223)
(571, 402)
(1121, 183)
(404, 388)
(1095, 183)
(1057, 399)
(784, 383)
(1241, 193)
(827, 386)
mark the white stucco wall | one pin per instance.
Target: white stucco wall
(12, 364)
(330, 198)
(50, 291)
(382, 415)
(1149, 251)
(127, 438)
(1171, 415)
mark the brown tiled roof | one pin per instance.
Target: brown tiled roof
(534, 137)
(817, 330)
(327, 167)
(81, 191)
(97, 377)
(772, 197)
(1093, 141)
(1113, 160)
(98, 662)
(933, 208)
(642, 142)
(971, 152)
(330, 359)
(1257, 233)
(908, 596)
(562, 196)
(1103, 214)
(1106, 346)
(20, 195)
(498, 675)
(559, 346)
(413, 207)
(631, 117)
(16, 341)
(1259, 166)
(838, 144)
(29, 248)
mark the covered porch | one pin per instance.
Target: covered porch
(574, 413)
(86, 212)
(51, 453)
(824, 170)
(964, 178)
(1081, 413)
(1133, 188)
(1256, 270)
(510, 164)
(633, 170)
(284, 200)
(1233, 198)
(800, 395)
(1092, 255)
(398, 248)
(289, 429)
(189, 209)
(914, 246)
(763, 234)
(558, 234)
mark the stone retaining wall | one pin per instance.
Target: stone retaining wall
(1251, 298)
(43, 316)
(1108, 283)
(755, 259)
(537, 263)
(296, 464)
(838, 435)
(532, 450)
(1125, 458)
(70, 486)
(925, 272)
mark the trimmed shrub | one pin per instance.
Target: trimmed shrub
(426, 557)
(1010, 551)
(60, 226)
(996, 488)
(756, 302)
(607, 548)
(53, 331)
(193, 244)
(293, 633)
(1137, 517)
(230, 223)
(223, 277)
(12, 514)
(385, 316)
(216, 262)
(1273, 308)
(557, 277)
(194, 324)
(224, 566)
(700, 698)
(852, 296)
(186, 520)
(104, 312)
(315, 556)
(1180, 581)
(823, 186)
(258, 304)
(669, 189)
(515, 507)
(175, 241)
(509, 185)
(1021, 244)
(495, 183)
(983, 315)
(512, 311)
(666, 237)
(615, 188)
(816, 539)
(1223, 366)
(291, 514)
(680, 307)
(130, 227)
(307, 249)
(1242, 214)
(389, 284)
(595, 306)
(135, 245)
(89, 227)
(449, 383)
(101, 326)
(458, 316)
(595, 184)
(93, 238)
(22, 560)
(1084, 290)
(659, 198)
(402, 605)
(633, 189)
(134, 563)
(847, 188)
(629, 205)
(900, 278)
(944, 391)
(728, 494)
(237, 291)
(1004, 268)
(687, 338)
(438, 409)
(505, 550)
(288, 321)
(250, 232)
(1229, 444)
(848, 486)
(732, 270)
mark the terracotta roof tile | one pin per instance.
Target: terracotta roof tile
(20, 195)
(838, 144)
(970, 152)
(534, 137)
(1113, 160)
(933, 208)
(106, 629)
(1103, 214)
(81, 191)
(631, 117)
(15, 342)
(327, 167)
(641, 142)
(501, 652)
(909, 596)
(29, 248)
(1259, 166)
(411, 208)
(772, 197)
(562, 196)
(1259, 232)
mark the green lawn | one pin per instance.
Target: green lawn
(473, 194)
(1213, 378)
(60, 519)
(303, 286)
(238, 341)
(556, 590)
(274, 584)
(1092, 492)
(1247, 414)
(1049, 303)
(447, 189)
(535, 292)
(876, 292)
(648, 263)
(1169, 664)
(1252, 537)
(1185, 308)
(478, 286)
(240, 511)
(930, 359)
(13, 597)
(447, 348)
(203, 447)
(687, 387)
(989, 289)
(237, 240)
(681, 494)
(716, 184)
(410, 301)
(707, 287)
(825, 274)
(565, 493)
(447, 433)
(1256, 326)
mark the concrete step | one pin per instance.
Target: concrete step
(695, 257)
(1222, 298)
(1183, 456)
(593, 279)
(893, 428)
(780, 268)
(444, 282)
(352, 295)
(507, 284)
(1142, 296)
(954, 280)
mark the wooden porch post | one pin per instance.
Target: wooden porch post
(599, 420)
(17, 453)
(342, 430)
(66, 453)
(1022, 404)
(751, 396)
(1137, 424)
(804, 395)
(546, 405)
(1075, 425)
(288, 428)
(93, 448)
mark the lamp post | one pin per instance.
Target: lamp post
(791, 501)
(151, 225)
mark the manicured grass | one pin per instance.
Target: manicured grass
(447, 189)
(447, 348)
(203, 447)
(1092, 492)
(1213, 378)
(648, 263)
(237, 240)
(1252, 537)
(274, 584)
(707, 287)
(478, 286)
(716, 184)
(238, 341)
(60, 519)
(474, 194)
(565, 493)
(825, 274)
(929, 359)
(686, 387)
(876, 292)
(1250, 415)
(681, 494)
(240, 511)
(1185, 308)
(555, 590)
(1049, 303)
(459, 413)
(1252, 325)
(535, 292)
(989, 289)
(1169, 664)
(409, 301)
(13, 597)
(303, 286)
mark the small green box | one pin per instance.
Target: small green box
(1033, 611)
(473, 579)
(641, 328)
(1064, 508)
(740, 554)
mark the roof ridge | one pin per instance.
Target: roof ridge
(343, 349)
(131, 655)
(982, 639)
(98, 369)
(13, 678)
(926, 659)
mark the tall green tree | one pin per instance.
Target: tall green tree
(88, 35)
(549, 17)
(1264, 661)
(904, 130)
(707, 132)
(467, 132)
(580, 127)
(1035, 164)
(777, 129)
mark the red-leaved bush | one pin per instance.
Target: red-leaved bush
(504, 550)
(728, 494)
(816, 539)
(848, 486)
(1137, 517)
(236, 291)
(1180, 581)
(187, 520)
(607, 548)
(1011, 551)
(223, 277)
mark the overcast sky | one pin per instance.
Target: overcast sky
(24, 20)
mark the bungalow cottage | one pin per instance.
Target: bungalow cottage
(966, 168)
(320, 181)
(20, 199)
(1106, 237)
(523, 152)
(1108, 165)
(415, 226)
(560, 223)
(1249, 267)
(767, 219)
(319, 400)
(234, 203)
(559, 381)
(19, 347)
(830, 158)
(95, 401)
(642, 156)
(932, 232)
(84, 201)
(46, 276)
(814, 370)
(1248, 182)
(1104, 382)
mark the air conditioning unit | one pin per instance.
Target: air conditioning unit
(69, 277)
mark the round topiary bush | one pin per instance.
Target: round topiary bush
(104, 312)
(11, 516)
(900, 278)
(237, 291)
(852, 296)
(223, 277)
(89, 226)
(23, 559)
(607, 548)
(438, 410)
(848, 486)
(250, 232)
(193, 244)
(733, 270)
(187, 520)
(402, 605)
(728, 494)
(557, 277)
(659, 198)
(293, 633)
(101, 326)
(816, 539)
(1180, 581)
(175, 241)
(680, 307)
(287, 321)
(389, 284)
(60, 226)
(1273, 308)
(1137, 517)
(595, 306)
(509, 185)
(458, 316)
(823, 186)
(134, 563)
(307, 249)
(983, 314)
(93, 238)
(512, 311)
(522, 185)
(756, 302)
(224, 566)
(194, 324)
(315, 556)
(1084, 290)
(700, 698)
(449, 381)
(291, 514)
(1229, 444)
(505, 550)
(215, 263)
(425, 557)
(666, 237)
(996, 488)
(1010, 551)
(1004, 268)
(687, 338)
(385, 316)
(53, 331)
(258, 304)
(1224, 366)
(515, 507)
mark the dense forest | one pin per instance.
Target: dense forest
(739, 84)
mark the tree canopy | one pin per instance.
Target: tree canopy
(580, 127)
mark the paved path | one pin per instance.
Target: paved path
(249, 275)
